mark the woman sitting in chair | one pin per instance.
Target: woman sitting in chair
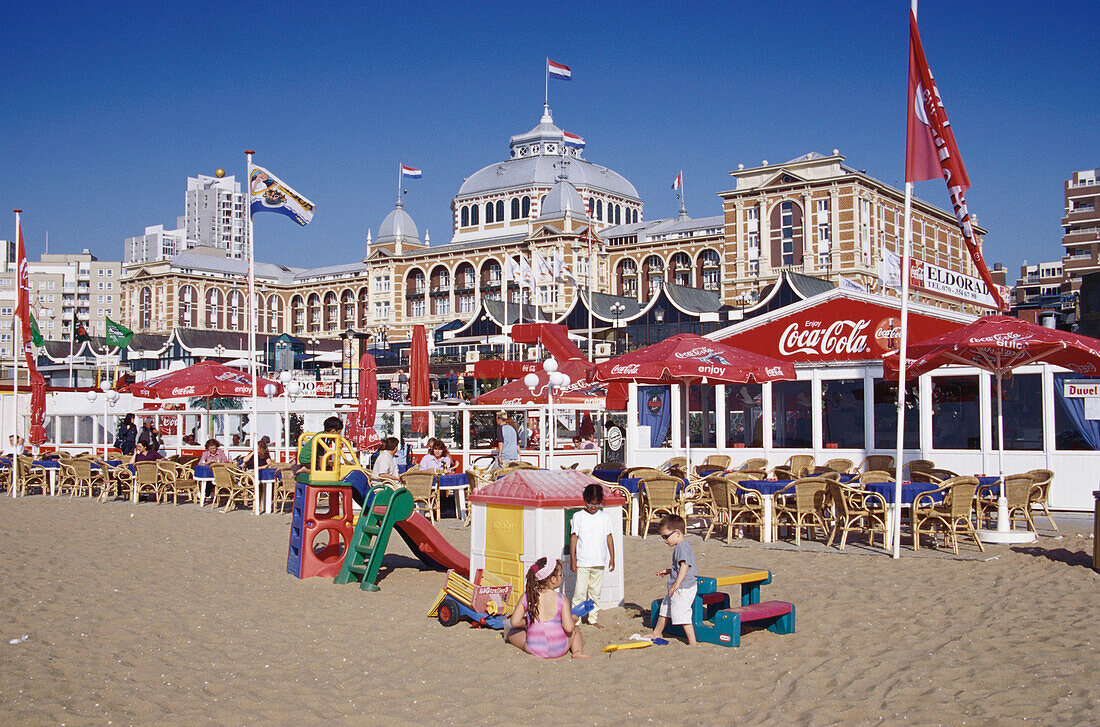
(438, 458)
(142, 453)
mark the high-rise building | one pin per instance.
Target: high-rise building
(214, 216)
(1081, 227)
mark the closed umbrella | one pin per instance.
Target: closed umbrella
(1000, 344)
(419, 385)
(363, 433)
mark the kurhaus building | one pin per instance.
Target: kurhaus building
(812, 215)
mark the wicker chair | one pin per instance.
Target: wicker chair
(733, 506)
(118, 482)
(637, 472)
(754, 463)
(1018, 495)
(794, 468)
(1040, 493)
(857, 509)
(177, 479)
(876, 476)
(75, 477)
(660, 498)
(713, 464)
(805, 509)
(147, 480)
(32, 476)
(424, 487)
(877, 462)
(938, 476)
(840, 465)
(919, 470)
(952, 515)
(284, 489)
(628, 506)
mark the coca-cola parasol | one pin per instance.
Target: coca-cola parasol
(205, 379)
(686, 359)
(999, 344)
(581, 389)
(419, 384)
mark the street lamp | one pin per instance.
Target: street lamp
(313, 343)
(291, 390)
(110, 398)
(219, 351)
(555, 379)
(617, 309)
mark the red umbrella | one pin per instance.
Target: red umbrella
(581, 389)
(1000, 344)
(689, 358)
(419, 385)
(360, 428)
(205, 379)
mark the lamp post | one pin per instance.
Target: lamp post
(555, 379)
(313, 343)
(110, 397)
(219, 351)
(291, 390)
(617, 309)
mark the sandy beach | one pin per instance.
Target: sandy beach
(154, 614)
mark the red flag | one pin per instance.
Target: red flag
(930, 148)
(37, 434)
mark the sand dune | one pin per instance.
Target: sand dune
(175, 615)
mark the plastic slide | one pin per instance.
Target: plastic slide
(430, 546)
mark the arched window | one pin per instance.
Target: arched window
(635, 215)
(145, 310)
(515, 208)
(313, 312)
(214, 309)
(364, 305)
(653, 269)
(681, 269)
(526, 203)
(710, 269)
(490, 279)
(274, 314)
(235, 311)
(618, 214)
(488, 213)
(542, 201)
(786, 235)
(474, 215)
(626, 273)
(599, 209)
(332, 312)
(347, 310)
(298, 314)
(500, 210)
(188, 307)
(465, 216)
(591, 206)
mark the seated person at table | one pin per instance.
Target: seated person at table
(142, 453)
(437, 458)
(213, 453)
(587, 442)
(15, 446)
(385, 464)
(333, 425)
(262, 454)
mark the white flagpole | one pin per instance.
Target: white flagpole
(505, 278)
(546, 92)
(253, 417)
(907, 238)
(17, 329)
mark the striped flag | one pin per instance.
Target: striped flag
(268, 193)
(679, 181)
(558, 70)
(572, 140)
(410, 172)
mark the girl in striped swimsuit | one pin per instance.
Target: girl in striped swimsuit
(554, 636)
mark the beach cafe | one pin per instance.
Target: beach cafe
(840, 405)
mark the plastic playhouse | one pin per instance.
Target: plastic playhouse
(717, 622)
(323, 541)
(525, 516)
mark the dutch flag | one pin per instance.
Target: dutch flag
(558, 70)
(572, 140)
(679, 180)
(410, 172)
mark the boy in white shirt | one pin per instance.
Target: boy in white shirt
(590, 546)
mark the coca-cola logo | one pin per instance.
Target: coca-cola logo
(625, 369)
(773, 371)
(887, 335)
(512, 402)
(697, 352)
(837, 339)
(183, 391)
(1015, 341)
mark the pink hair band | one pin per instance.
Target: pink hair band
(546, 570)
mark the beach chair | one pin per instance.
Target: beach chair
(879, 462)
(659, 498)
(1040, 493)
(177, 479)
(840, 465)
(856, 508)
(952, 515)
(918, 470)
(805, 509)
(424, 487)
(1017, 494)
(794, 468)
(733, 506)
(628, 506)
(147, 480)
(31, 477)
(754, 463)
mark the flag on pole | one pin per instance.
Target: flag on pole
(23, 286)
(572, 140)
(558, 70)
(36, 335)
(512, 270)
(543, 268)
(118, 334)
(527, 276)
(80, 333)
(268, 193)
(679, 181)
(562, 273)
(930, 148)
(410, 172)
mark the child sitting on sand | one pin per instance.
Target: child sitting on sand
(682, 583)
(551, 637)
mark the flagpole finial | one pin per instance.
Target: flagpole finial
(249, 151)
(17, 211)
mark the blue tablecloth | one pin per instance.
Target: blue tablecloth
(204, 472)
(607, 475)
(909, 490)
(455, 479)
(766, 487)
(633, 484)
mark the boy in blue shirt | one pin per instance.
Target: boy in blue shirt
(682, 581)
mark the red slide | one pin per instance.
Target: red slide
(431, 547)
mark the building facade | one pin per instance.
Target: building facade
(214, 216)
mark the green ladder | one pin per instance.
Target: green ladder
(383, 507)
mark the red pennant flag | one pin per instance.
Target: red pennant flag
(37, 434)
(930, 149)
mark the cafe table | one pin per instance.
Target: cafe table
(910, 491)
(456, 483)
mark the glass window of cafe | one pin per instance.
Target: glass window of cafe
(744, 415)
(1073, 429)
(886, 415)
(791, 415)
(955, 412)
(1022, 404)
(702, 424)
(842, 414)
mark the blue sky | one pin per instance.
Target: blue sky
(107, 110)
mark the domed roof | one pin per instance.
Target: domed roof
(563, 200)
(398, 226)
(534, 161)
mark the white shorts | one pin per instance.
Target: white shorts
(677, 607)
